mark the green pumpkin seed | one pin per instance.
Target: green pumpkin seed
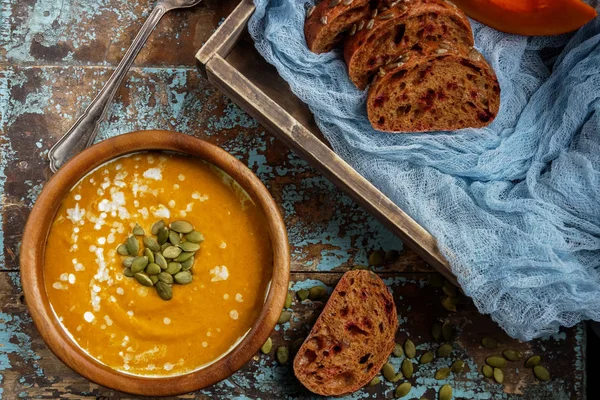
(489, 343)
(187, 264)
(316, 292)
(283, 354)
(302, 294)
(409, 349)
(360, 268)
(122, 250)
(133, 246)
(284, 317)
(447, 331)
(194, 237)
(496, 361)
(427, 357)
(448, 304)
(163, 235)
(160, 260)
(184, 256)
(148, 253)
(183, 277)
(436, 281)
(165, 277)
(397, 377)
(398, 352)
(444, 350)
(153, 269)
(375, 381)
(403, 390)
(388, 371)
(182, 226)
(267, 346)
(157, 226)
(127, 261)
(189, 246)
(153, 278)
(288, 300)
(436, 331)
(137, 230)
(173, 268)
(498, 375)
(541, 373)
(127, 272)
(407, 368)
(164, 246)
(139, 264)
(391, 256)
(512, 355)
(151, 244)
(377, 258)
(445, 392)
(442, 373)
(532, 361)
(174, 238)
(450, 289)
(164, 290)
(171, 252)
(458, 366)
(143, 279)
(487, 371)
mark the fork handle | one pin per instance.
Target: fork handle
(84, 130)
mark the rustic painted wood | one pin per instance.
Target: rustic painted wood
(54, 57)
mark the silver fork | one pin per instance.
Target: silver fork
(85, 129)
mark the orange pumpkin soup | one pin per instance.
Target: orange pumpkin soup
(127, 326)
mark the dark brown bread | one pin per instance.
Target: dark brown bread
(352, 338)
(400, 28)
(328, 22)
(448, 88)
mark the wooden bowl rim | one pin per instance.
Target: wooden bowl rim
(38, 227)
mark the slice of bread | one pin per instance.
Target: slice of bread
(446, 89)
(330, 20)
(352, 338)
(399, 28)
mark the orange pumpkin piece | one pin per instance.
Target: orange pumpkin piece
(530, 17)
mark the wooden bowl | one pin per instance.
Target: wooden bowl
(32, 264)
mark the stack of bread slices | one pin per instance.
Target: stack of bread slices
(416, 55)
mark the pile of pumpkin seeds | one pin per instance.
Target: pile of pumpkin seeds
(167, 256)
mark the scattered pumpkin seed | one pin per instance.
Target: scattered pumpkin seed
(444, 350)
(171, 252)
(187, 264)
(489, 343)
(376, 258)
(283, 354)
(127, 272)
(532, 361)
(163, 235)
(139, 264)
(450, 289)
(151, 243)
(127, 261)
(487, 371)
(165, 277)
(407, 368)
(398, 352)
(447, 331)
(143, 279)
(284, 317)
(436, 281)
(189, 246)
(153, 278)
(174, 238)
(512, 355)
(164, 246)
(160, 260)
(173, 268)
(403, 389)
(496, 361)
(182, 226)
(133, 246)
(448, 304)
(397, 377)
(156, 227)
(391, 256)
(375, 381)
(164, 290)
(267, 346)
(445, 392)
(288, 299)
(184, 256)
(183, 277)
(442, 373)
(458, 366)
(388, 371)
(148, 253)
(153, 269)
(302, 294)
(498, 375)
(409, 349)
(541, 373)
(138, 230)
(360, 267)
(194, 237)
(427, 357)
(316, 292)
(436, 331)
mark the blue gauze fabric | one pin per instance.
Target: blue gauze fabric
(515, 207)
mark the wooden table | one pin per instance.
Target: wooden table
(55, 56)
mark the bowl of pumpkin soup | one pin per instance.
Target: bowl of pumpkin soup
(155, 263)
